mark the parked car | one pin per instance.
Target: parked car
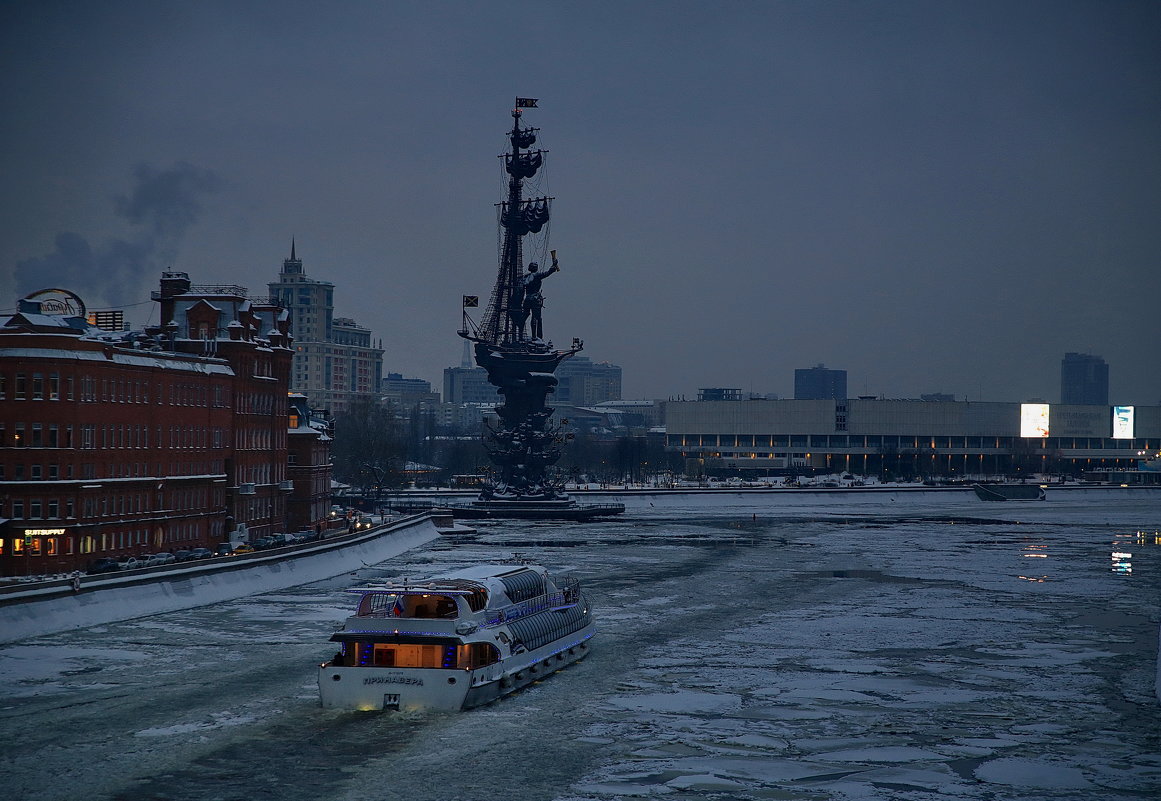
(225, 549)
(243, 547)
(147, 559)
(263, 543)
(201, 553)
(183, 556)
(166, 558)
(128, 563)
(103, 565)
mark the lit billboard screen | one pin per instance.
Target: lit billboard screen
(1122, 422)
(1034, 419)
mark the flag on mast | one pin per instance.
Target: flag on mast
(526, 102)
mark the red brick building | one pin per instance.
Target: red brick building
(308, 466)
(119, 443)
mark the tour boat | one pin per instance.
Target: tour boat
(455, 641)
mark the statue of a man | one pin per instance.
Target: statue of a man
(533, 298)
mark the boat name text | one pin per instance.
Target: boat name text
(392, 680)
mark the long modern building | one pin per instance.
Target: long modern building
(908, 437)
(114, 444)
(335, 359)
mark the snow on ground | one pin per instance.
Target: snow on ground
(915, 647)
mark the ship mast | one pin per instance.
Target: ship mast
(503, 322)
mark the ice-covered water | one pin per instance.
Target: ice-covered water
(879, 646)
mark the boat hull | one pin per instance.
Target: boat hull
(446, 690)
(1009, 492)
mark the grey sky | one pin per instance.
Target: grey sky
(934, 196)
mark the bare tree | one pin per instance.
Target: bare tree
(370, 449)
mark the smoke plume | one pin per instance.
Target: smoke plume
(161, 207)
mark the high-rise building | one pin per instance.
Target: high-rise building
(819, 383)
(468, 383)
(1084, 380)
(335, 360)
(407, 393)
(585, 383)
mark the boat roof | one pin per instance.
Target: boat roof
(458, 582)
(481, 572)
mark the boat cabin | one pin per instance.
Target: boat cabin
(397, 651)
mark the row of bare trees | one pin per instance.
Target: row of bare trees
(378, 446)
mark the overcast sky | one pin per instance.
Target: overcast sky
(933, 196)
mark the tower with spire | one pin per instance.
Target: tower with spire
(336, 360)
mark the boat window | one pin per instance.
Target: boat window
(478, 599)
(402, 655)
(415, 606)
(427, 606)
(476, 655)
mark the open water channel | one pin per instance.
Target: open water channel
(879, 645)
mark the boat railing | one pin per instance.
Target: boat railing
(567, 595)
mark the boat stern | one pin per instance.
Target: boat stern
(402, 689)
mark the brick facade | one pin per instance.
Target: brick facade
(116, 444)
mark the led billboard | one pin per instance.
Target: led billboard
(1034, 419)
(1122, 422)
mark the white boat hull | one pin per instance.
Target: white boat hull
(450, 690)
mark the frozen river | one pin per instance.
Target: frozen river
(875, 646)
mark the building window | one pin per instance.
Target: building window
(20, 387)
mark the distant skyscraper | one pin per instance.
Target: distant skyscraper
(1084, 380)
(584, 383)
(335, 360)
(819, 383)
(468, 383)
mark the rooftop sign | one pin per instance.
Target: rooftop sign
(58, 302)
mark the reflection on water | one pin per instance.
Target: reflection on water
(1121, 557)
(1035, 551)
